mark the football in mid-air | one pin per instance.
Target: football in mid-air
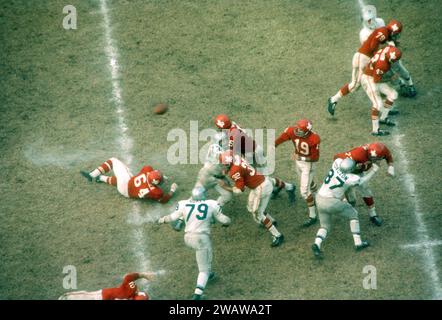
(160, 108)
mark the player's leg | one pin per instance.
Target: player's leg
(279, 185)
(304, 170)
(323, 205)
(373, 94)
(203, 252)
(367, 196)
(225, 196)
(122, 176)
(350, 196)
(351, 214)
(391, 96)
(406, 83)
(103, 168)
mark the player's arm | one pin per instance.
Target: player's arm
(389, 159)
(370, 173)
(150, 275)
(174, 216)
(283, 137)
(166, 197)
(220, 217)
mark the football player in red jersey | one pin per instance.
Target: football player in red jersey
(239, 141)
(373, 86)
(144, 185)
(306, 155)
(128, 290)
(261, 188)
(361, 58)
(365, 156)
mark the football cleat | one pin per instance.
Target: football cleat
(362, 246)
(331, 106)
(212, 275)
(387, 122)
(411, 91)
(86, 175)
(380, 133)
(376, 221)
(316, 251)
(276, 192)
(277, 241)
(309, 222)
(292, 196)
(196, 296)
(393, 112)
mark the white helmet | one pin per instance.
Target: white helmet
(199, 193)
(369, 17)
(347, 165)
(221, 139)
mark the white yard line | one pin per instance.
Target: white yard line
(139, 242)
(424, 243)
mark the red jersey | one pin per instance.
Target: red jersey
(306, 148)
(239, 141)
(139, 186)
(127, 290)
(371, 45)
(378, 65)
(360, 156)
(244, 175)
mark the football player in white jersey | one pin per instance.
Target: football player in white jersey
(370, 22)
(198, 214)
(329, 201)
(211, 173)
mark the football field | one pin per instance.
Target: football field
(71, 99)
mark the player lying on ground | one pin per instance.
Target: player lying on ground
(198, 214)
(365, 156)
(362, 57)
(370, 22)
(306, 155)
(144, 185)
(128, 290)
(330, 201)
(374, 87)
(261, 188)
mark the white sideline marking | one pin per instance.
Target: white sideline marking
(125, 141)
(422, 233)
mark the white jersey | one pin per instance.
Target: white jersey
(211, 171)
(198, 215)
(337, 182)
(366, 31)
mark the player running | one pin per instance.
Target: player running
(198, 214)
(330, 201)
(144, 185)
(306, 155)
(128, 290)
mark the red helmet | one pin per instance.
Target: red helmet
(222, 121)
(395, 27)
(155, 177)
(376, 151)
(303, 128)
(393, 54)
(226, 158)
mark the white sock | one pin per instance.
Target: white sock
(355, 230)
(320, 236)
(95, 173)
(103, 178)
(201, 282)
(288, 186)
(336, 97)
(274, 231)
(372, 212)
(312, 212)
(375, 125)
